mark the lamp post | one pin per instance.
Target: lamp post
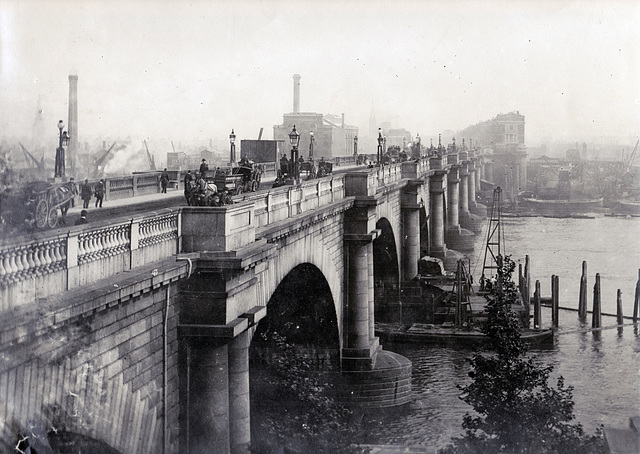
(311, 140)
(355, 145)
(294, 138)
(380, 140)
(64, 141)
(232, 140)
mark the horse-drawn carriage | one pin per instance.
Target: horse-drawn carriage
(38, 203)
(245, 178)
(209, 196)
(324, 168)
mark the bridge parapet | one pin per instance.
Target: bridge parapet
(56, 261)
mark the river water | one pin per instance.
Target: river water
(603, 367)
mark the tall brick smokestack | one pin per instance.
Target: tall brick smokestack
(72, 150)
(296, 93)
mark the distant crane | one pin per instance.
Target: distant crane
(39, 165)
(152, 161)
(632, 157)
(101, 158)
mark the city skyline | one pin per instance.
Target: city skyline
(199, 70)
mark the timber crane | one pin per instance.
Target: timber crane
(631, 158)
(39, 165)
(495, 239)
(152, 161)
(101, 158)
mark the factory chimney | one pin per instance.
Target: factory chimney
(72, 151)
(296, 93)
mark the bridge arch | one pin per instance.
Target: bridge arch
(294, 353)
(301, 311)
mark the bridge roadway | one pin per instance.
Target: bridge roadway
(136, 330)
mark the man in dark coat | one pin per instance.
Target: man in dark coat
(204, 167)
(86, 193)
(99, 193)
(164, 180)
(188, 183)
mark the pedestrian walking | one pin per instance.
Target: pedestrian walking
(99, 193)
(188, 183)
(164, 180)
(86, 193)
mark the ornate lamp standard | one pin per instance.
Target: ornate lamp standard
(64, 141)
(294, 138)
(355, 145)
(380, 140)
(312, 139)
(232, 140)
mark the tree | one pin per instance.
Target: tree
(299, 411)
(516, 410)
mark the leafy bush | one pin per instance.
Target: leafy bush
(298, 410)
(516, 410)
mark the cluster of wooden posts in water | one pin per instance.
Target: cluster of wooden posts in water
(554, 303)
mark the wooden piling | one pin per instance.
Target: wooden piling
(555, 300)
(582, 302)
(619, 315)
(527, 281)
(536, 307)
(636, 301)
(596, 319)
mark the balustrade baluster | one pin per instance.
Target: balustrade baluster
(36, 258)
(29, 259)
(82, 250)
(20, 266)
(57, 253)
(100, 249)
(3, 271)
(46, 259)
(108, 243)
(123, 240)
(93, 248)
(104, 242)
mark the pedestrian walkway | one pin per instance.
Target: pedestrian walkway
(170, 196)
(394, 449)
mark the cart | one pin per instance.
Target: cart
(38, 203)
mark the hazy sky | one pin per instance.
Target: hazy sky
(164, 69)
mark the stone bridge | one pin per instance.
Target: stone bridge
(138, 332)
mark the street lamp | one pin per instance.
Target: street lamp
(64, 141)
(355, 145)
(311, 146)
(232, 140)
(294, 138)
(380, 140)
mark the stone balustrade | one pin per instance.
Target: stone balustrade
(57, 261)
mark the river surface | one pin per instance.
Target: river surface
(603, 367)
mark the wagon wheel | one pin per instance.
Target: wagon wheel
(53, 218)
(239, 190)
(41, 214)
(254, 186)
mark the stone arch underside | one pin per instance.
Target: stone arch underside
(301, 312)
(424, 230)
